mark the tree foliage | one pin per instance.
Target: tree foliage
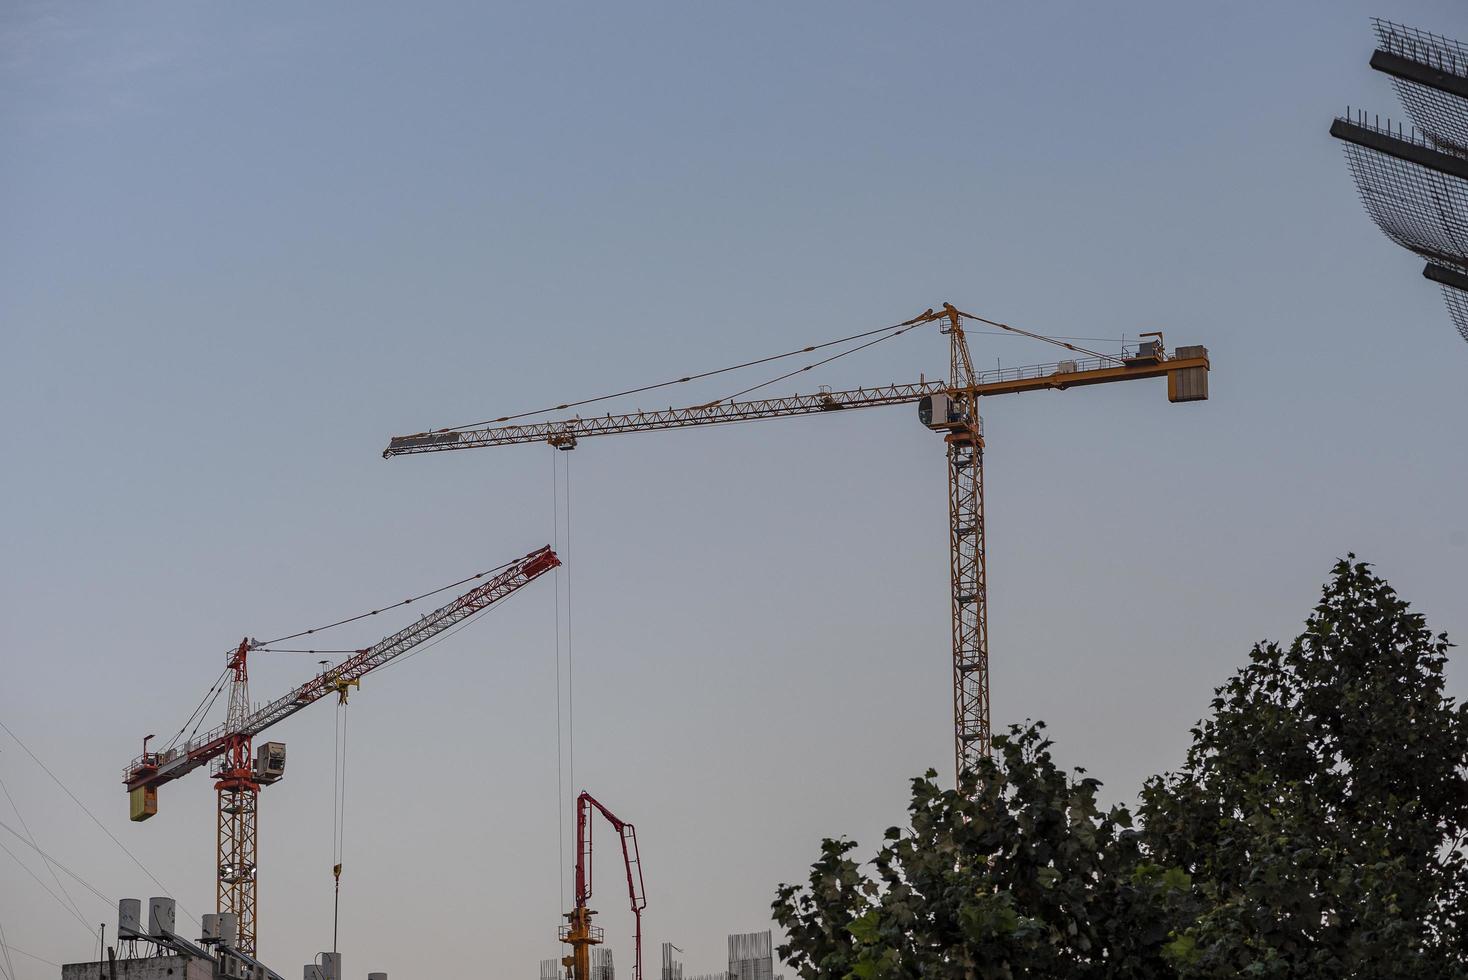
(1323, 807)
(1019, 874)
(1316, 829)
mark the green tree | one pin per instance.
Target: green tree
(1317, 829)
(1322, 811)
(1018, 874)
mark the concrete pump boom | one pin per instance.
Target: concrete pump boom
(578, 932)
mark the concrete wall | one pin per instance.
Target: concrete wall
(149, 968)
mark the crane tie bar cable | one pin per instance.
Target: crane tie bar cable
(352, 619)
(898, 331)
(924, 318)
(1037, 336)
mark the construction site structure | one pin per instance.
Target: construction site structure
(239, 772)
(159, 952)
(950, 408)
(751, 957)
(579, 932)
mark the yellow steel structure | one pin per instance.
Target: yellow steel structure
(950, 406)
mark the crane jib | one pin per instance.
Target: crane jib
(1186, 370)
(153, 769)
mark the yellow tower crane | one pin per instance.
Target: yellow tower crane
(949, 407)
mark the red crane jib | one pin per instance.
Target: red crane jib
(156, 768)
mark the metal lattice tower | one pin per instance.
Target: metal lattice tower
(1413, 181)
(965, 445)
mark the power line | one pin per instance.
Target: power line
(47, 889)
(9, 963)
(72, 874)
(44, 858)
(55, 779)
(17, 949)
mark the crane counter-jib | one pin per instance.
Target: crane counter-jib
(1186, 372)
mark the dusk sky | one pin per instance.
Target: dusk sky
(244, 244)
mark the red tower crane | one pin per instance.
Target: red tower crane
(238, 775)
(578, 932)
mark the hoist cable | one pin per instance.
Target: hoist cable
(560, 757)
(338, 817)
(570, 660)
(678, 381)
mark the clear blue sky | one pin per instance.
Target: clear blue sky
(245, 243)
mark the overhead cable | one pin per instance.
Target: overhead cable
(39, 959)
(47, 889)
(55, 779)
(72, 874)
(31, 839)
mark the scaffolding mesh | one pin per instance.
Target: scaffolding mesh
(1418, 208)
(1457, 301)
(1441, 116)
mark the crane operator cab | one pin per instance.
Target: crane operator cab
(270, 763)
(940, 412)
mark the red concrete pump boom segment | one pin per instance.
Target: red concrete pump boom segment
(586, 935)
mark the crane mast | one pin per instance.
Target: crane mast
(968, 596)
(950, 407)
(239, 774)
